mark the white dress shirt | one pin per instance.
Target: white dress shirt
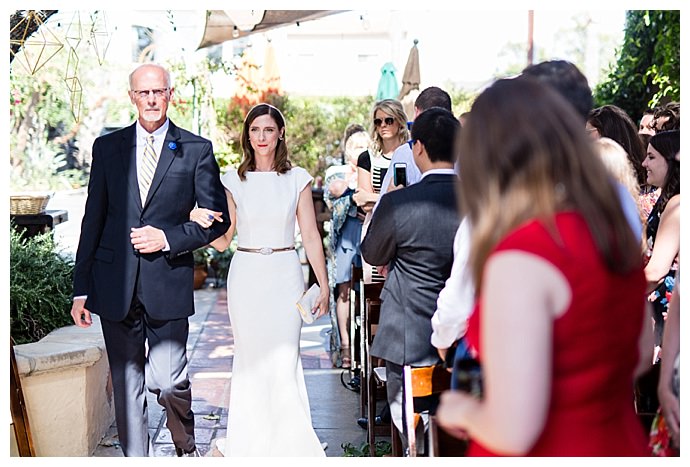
(456, 300)
(158, 140)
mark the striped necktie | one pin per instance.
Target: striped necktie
(147, 168)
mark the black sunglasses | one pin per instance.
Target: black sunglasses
(389, 121)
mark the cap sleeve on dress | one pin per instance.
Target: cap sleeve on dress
(230, 181)
(302, 178)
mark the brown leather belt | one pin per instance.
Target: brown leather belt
(265, 250)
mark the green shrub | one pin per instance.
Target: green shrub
(383, 448)
(40, 287)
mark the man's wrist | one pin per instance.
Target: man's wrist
(165, 239)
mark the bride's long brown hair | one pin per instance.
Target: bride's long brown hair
(282, 163)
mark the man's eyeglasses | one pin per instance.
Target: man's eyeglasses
(411, 142)
(157, 93)
(388, 120)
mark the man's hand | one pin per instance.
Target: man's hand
(80, 315)
(392, 187)
(147, 239)
(383, 270)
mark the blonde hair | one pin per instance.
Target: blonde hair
(618, 164)
(395, 109)
(356, 144)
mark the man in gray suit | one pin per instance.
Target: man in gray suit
(412, 231)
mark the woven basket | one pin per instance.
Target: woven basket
(28, 204)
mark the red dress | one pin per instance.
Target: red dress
(595, 345)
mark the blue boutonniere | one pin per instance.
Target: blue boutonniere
(172, 145)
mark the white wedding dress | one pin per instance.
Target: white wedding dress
(269, 409)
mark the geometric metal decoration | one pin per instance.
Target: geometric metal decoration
(72, 64)
(75, 90)
(100, 37)
(73, 84)
(39, 48)
(74, 35)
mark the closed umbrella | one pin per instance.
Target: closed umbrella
(410, 81)
(271, 75)
(248, 79)
(388, 84)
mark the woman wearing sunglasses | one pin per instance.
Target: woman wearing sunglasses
(388, 131)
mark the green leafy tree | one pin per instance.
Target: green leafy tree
(648, 69)
(315, 127)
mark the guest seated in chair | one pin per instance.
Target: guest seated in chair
(412, 231)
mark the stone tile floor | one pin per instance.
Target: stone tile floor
(334, 408)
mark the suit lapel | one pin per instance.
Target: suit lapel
(171, 147)
(129, 163)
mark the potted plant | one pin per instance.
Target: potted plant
(202, 258)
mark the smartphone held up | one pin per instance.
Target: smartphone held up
(400, 174)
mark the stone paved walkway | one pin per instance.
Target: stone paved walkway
(334, 408)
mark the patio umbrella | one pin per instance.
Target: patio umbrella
(220, 27)
(271, 74)
(388, 83)
(248, 78)
(410, 81)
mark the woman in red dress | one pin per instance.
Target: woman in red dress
(560, 325)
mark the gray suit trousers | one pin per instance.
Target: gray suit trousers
(163, 370)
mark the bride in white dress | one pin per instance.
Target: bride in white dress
(269, 409)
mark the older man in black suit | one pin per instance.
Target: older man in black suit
(412, 231)
(134, 265)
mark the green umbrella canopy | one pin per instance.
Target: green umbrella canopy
(388, 84)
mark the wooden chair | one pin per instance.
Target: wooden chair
(356, 323)
(442, 444)
(373, 383)
(20, 417)
(422, 382)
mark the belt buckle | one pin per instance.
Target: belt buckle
(266, 250)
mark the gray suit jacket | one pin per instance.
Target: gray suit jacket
(412, 229)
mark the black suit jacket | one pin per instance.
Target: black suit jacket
(412, 229)
(107, 265)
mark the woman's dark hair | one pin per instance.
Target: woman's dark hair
(612, 122)
(437, 129)
(282, 163)
(668, 145)
(671, 111)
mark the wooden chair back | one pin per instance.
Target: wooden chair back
(420, 382)
(375, 385)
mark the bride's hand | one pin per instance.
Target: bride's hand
(322, 302)
(205, 217)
